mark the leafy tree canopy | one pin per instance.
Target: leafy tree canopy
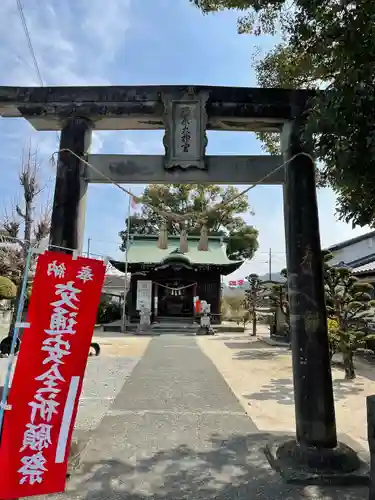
(181, 199)
(326, 44)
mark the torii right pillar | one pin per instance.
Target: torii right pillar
(315, 412)
(315, 450)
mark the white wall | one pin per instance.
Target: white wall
(115, 290)
(353, 252)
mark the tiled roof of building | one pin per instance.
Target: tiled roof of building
(144, 250)
(366, 268)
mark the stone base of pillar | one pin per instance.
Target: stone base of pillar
(144, 329)
(340, 466)
(205, 330)
(76, 449)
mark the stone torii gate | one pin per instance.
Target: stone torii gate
(186, 113)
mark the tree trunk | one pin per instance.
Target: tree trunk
(28, 226)
(19, 297)
(15, 306)
(254, 325)
(331, 352)
(273, 327)
(348, 365)
(26, 246)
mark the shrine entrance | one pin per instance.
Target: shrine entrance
(178, 275)
(186, 113)
(175, 299)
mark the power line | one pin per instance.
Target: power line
(270, 264)
(30, 44)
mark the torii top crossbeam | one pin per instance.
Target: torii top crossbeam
(141, 107)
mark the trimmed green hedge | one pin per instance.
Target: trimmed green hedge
(108, 312)
(8, 289)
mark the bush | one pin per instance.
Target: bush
(333, 335)
(8, 289)
(108, 312)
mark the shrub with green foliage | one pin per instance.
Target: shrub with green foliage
(279, 300)
(108, 311)
(254, 297)
(349, 307)
(8, 289)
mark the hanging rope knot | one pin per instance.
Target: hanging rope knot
(184, 247)
(223, 205)
(163, 236)
(203, 240)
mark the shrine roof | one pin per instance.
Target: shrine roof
(144, 250)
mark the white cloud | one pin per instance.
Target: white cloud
(74, 41)
(131, 148)
(106, 24)
(96, 143)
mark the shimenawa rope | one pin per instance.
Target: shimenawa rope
(190, 215)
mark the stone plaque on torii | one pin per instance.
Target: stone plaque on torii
(186, 113)
(185, 121)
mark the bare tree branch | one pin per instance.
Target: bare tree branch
(20, 212)
(11, 224)
(43, 224)
(21, 218)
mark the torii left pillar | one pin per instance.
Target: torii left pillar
(69, 202)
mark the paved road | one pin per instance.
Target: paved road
(176, 431)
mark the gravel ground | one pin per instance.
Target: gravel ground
(104, 378)
(3, 369)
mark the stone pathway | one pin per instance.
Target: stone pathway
(176, 431)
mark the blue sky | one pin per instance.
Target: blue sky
(130, 42)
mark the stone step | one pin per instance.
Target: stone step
(170, 326)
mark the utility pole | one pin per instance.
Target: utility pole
(270, 264)
(88, 247)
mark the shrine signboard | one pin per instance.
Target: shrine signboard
(44, 395)
(144, 295)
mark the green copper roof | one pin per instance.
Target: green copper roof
(144, 250)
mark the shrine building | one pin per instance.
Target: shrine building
(179, 272)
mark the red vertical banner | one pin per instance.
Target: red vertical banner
(48, 378)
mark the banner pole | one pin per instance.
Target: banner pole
(123, 318)
(21, 303)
